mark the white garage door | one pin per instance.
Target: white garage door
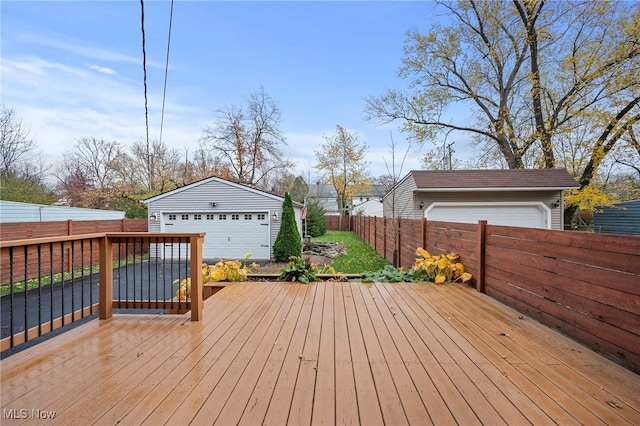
(528, 215)
(229, 235)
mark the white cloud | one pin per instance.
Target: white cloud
(103, 70)
(81, 48)
(37, 66)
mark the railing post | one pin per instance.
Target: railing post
(196, 277)
(105, 307)
(482, 230)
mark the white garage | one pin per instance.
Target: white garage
(531, 198)
(236, 218)
(229, 235)
(527, 215)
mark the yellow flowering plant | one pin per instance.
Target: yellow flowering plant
(224, 270)
(439, 269)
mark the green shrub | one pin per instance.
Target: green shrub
(288, 242)
(299, 270)
(316, 222)
(388, 274)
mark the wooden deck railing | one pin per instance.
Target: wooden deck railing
(52, 282)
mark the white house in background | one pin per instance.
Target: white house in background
(14, 212)
(367, 201)
(237, 219)
(515, 197)
(326, 196)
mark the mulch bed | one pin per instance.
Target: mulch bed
(274, 267)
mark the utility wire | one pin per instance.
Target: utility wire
(146, 108)
(166, 72)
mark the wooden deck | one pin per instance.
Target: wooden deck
(324, 353)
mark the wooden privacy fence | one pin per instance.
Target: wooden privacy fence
(585, 285)
(65, 254)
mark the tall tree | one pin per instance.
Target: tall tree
(299, 189)
(86, 175)
(205, 164)
(16, 145)
(157, 167)
(530, 71)
(248, 139)
(340, 160)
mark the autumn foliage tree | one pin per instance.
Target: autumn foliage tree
(248, 140)
(341, 161)
(531, 74)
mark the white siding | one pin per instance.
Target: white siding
(548, 198)
(13, 212)
(229, 198)
(402, 197)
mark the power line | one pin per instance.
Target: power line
(144, 70)
(166, 72)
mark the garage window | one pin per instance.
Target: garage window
(197, 217)
(247, 217)
(235, 217)
(172, 217)
(185, 217)
(210, 216)
(222, 217)
(261, 217)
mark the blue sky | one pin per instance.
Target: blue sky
(74, 69)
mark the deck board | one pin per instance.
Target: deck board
(323, 353)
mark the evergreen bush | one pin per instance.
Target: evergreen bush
(288, 242)
(316, 222)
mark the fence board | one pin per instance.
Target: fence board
(617, 252)
(605, 305)
(621, 345)
(609, 278)
(64, 259)
(586, 285)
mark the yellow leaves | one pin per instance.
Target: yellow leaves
(422, 252)
(439, 269)
(229, 270)
(225, 270)
(184, 290)
(589, 198)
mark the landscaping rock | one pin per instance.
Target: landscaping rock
(330, 250)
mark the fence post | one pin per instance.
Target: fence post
(384, 238)
(375, 232)
(482, 230)
(398, 247)
(424, 233)
(196, 276)
(105, 304)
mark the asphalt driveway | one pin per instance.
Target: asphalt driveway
(150, 280)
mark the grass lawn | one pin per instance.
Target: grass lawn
(360, 257)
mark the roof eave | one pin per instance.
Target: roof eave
(494, 189)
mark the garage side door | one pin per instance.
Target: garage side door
(528, 216)
(228, 235)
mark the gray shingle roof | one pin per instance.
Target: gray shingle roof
(498, 179)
